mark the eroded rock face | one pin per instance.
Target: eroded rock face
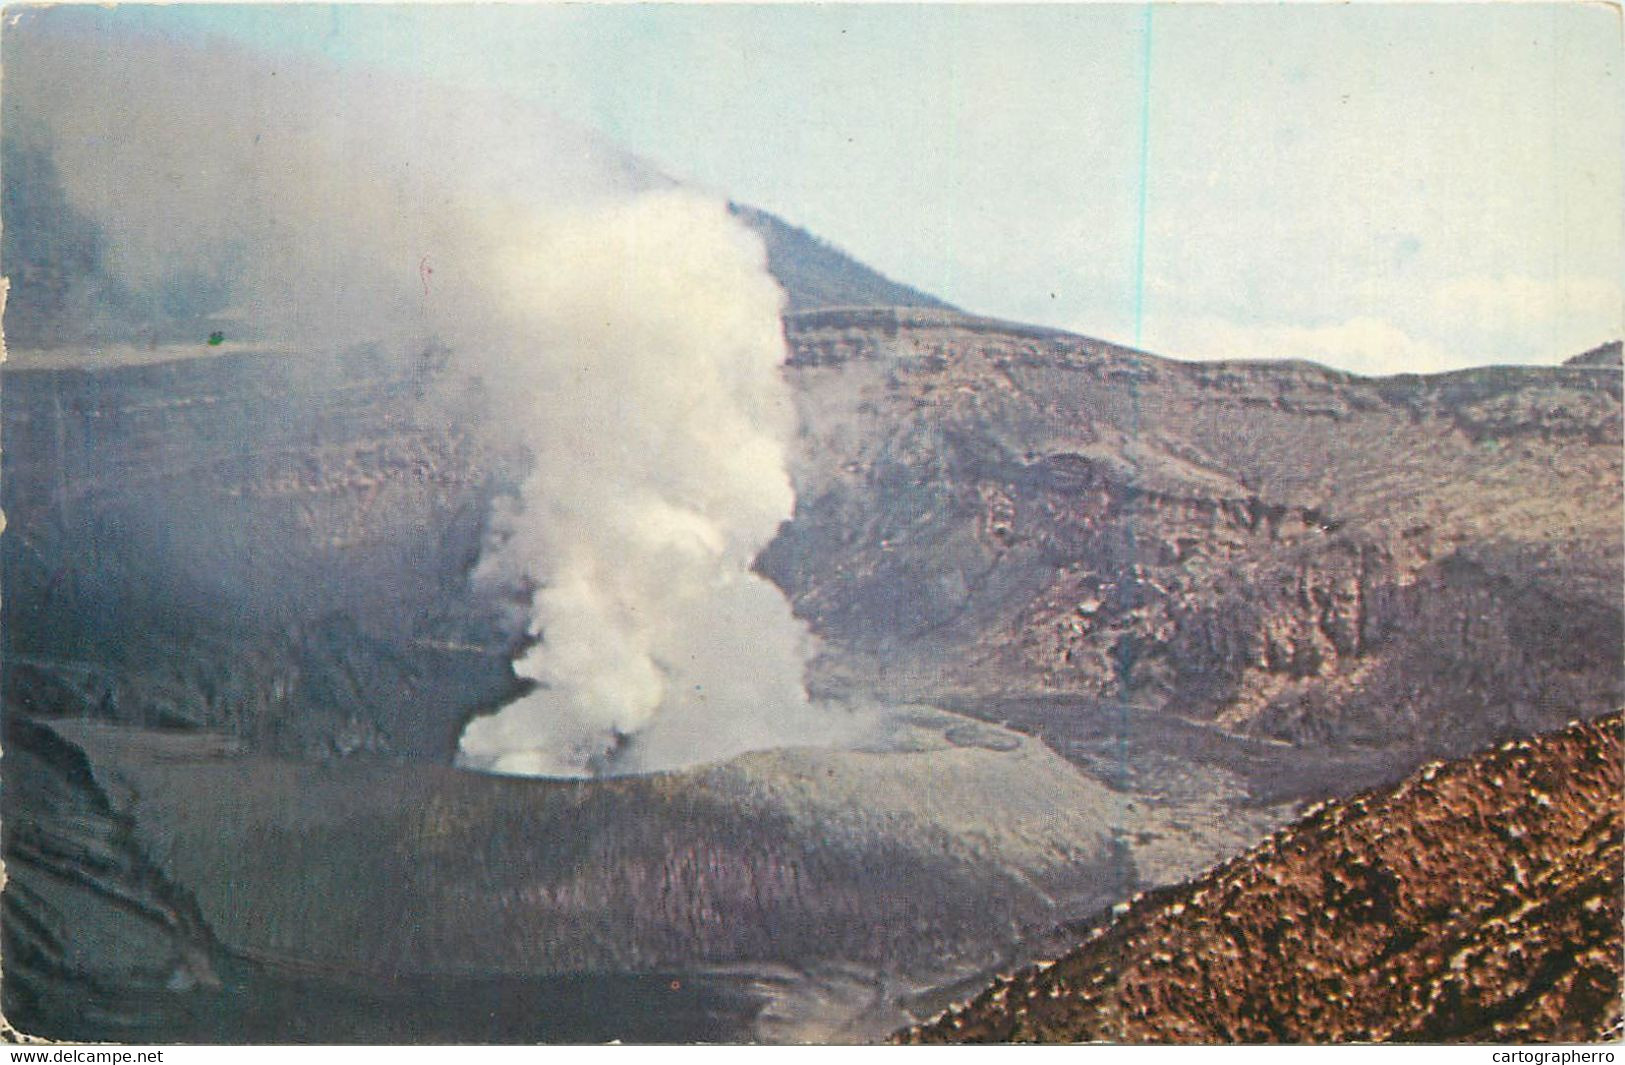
(279, 547)
(1479, 901)
(1279, 549)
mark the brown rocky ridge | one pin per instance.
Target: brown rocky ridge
(1136, 614)
(1478, 901)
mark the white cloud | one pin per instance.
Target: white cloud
(1362, 345)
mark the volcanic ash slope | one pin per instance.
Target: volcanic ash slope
(934, 854)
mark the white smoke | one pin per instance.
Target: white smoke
(626, 331)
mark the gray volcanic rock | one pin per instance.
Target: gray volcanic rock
(897, 858)
(276, 547)
(815, 275)
(1601, 355)
(921, 860)
(1278, 549)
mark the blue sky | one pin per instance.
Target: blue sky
(1379, 187)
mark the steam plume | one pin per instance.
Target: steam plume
(626, 329)
(663, 422)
